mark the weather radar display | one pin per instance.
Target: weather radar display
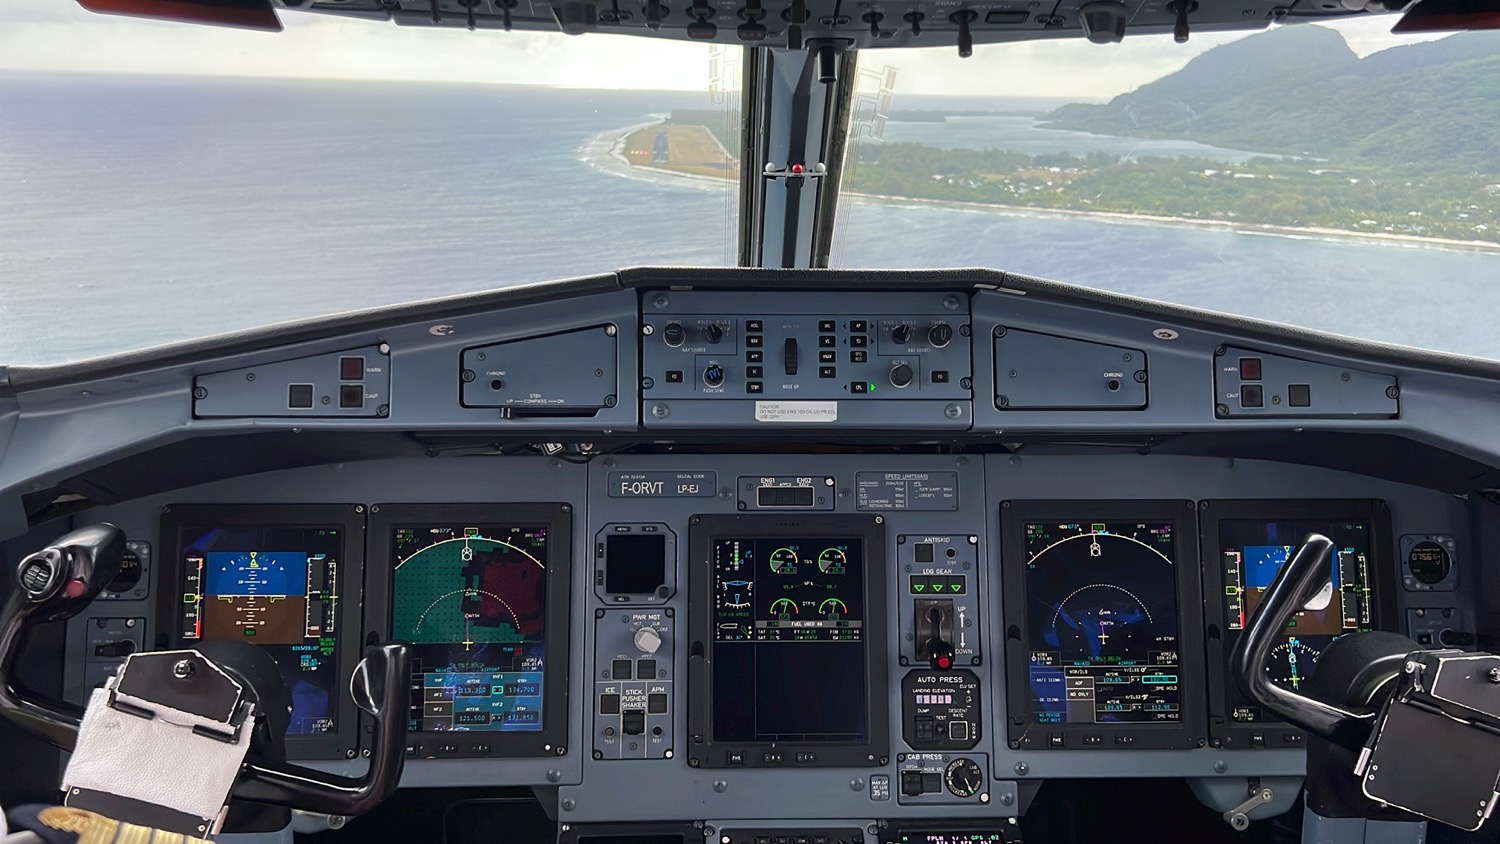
(1101, 616)
(472, 600)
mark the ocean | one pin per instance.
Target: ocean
(136, 211)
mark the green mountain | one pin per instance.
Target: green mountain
(1300, 90)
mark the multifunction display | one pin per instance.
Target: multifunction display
(1102, 622)
(788, 628)
(785, 667)
(1251, 554)
(472, 600)
(276, 587)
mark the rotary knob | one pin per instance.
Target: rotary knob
(901, 334)
(940, 335)
(901, 376)
(647, 640)
(713, 375)
(713, 332)
(673, 334)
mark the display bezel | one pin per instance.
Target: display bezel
(343, 741)
(1024, 735)
(552, 739)
(703, 531)
(1223, 732)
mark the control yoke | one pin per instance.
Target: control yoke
(59, 581)
(1395, 726)
(1299, 581)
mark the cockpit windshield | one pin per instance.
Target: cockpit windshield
(164, 182)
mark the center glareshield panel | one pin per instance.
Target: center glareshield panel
(774, 360)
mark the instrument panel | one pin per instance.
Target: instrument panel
(677, 554)
(941, 655)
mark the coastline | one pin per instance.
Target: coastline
(614, 140)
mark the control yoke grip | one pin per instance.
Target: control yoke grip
(379, 688)
(60, 580)
(1306, 571)
(53, 584)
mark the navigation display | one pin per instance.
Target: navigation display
(472, 599)
(788, 629)
(1102, 622)
(1250, 555)
(276, 587)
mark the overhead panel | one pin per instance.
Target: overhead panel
(1035, 371)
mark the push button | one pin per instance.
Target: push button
(674, 376)
(299, 396)
(1251, 395)
(656, 704)
(633, 722)
(351, 395)
(859, 386)
(1299, 395)
(609, 704)
(1249, 369)
(645, 669)
(620, 669)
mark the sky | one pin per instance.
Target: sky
(53, 35)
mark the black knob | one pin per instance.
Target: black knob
(940, 335)
(713, 375)
(673, 334)
(713, 333)
(901, 334)
(901, 376)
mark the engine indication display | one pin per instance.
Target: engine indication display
(276, 587)
(472, 599)
(1102, 622)
(779, 620)
(1252, 553)
(798, 600)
